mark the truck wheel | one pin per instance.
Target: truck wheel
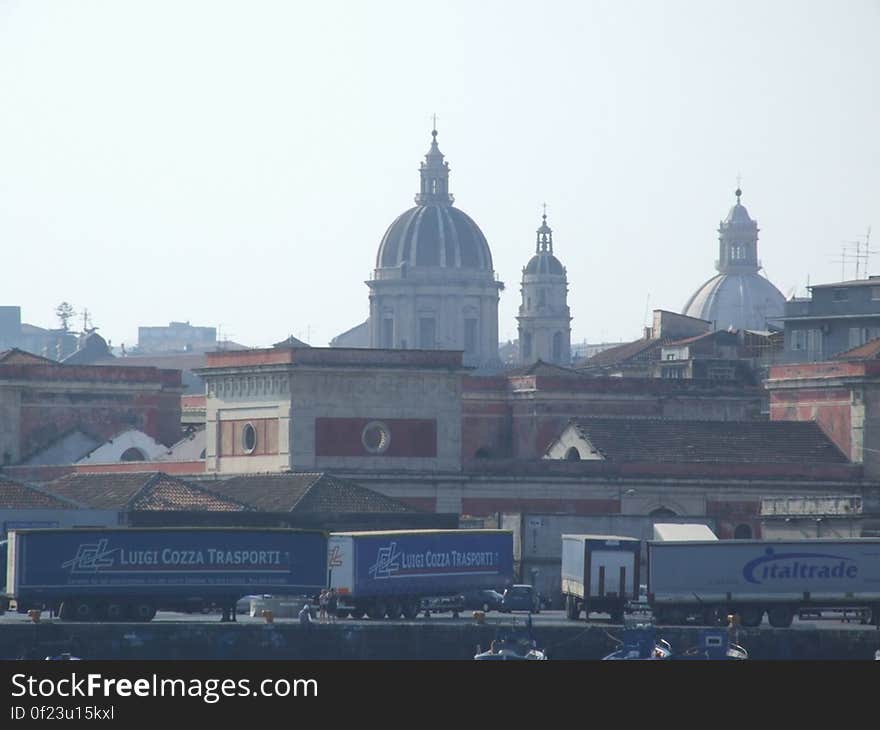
(411, 608)
(751, 616)
(377, 610)
(780, 617)
(394, 610)
(114, 611)
(84, 611)
(141, 611)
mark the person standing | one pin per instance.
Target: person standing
(322, 606)
(332, 602)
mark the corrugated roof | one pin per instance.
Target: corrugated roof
(647, 440)
(141, 491)
(305, 492)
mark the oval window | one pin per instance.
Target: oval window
(248, 438)
(376, 437)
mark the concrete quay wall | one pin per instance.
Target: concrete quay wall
(202, 640)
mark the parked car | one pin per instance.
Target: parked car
(484, 600)
(520, 597)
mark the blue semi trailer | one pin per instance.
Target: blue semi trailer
(391, 574)
(130, 573)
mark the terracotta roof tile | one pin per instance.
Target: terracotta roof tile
(304, 492)
(140, 491)
(16, 495)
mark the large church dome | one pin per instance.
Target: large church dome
(434, 235)
(742, 301)
(738, 296)
(434, 286)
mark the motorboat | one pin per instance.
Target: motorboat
(714, 644)
(513, 644)
(640, 641)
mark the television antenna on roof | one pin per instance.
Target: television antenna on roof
(863, 251)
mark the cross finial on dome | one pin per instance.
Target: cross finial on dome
(739, 191)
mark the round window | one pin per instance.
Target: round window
(376, 437)
(248, 438)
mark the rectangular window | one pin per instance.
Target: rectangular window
(387, 333)
(427, 333)
(875, 293)
(840, 295)
(470, 335)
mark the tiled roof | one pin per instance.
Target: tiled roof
(652, 440)
(869, 351)
(144, 491)
(20, 357)
(15, 495)
(304, 492)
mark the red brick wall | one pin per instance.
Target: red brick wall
(829, 407)
(730, 514)
(411, 437)
(46, 416)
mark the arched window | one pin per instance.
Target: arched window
(527, 346)
(662, 512)
(742, 532)
(133, 454)
(573, 454)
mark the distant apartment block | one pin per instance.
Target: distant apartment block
(835, 318)
(177, 337)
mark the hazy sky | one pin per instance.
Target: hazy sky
(236, 164)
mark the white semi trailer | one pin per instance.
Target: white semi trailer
(709, 579)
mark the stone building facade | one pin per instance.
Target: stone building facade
(332, 408)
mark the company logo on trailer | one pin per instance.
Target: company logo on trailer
(336, 557)
(387, 562)
(391, 563)
(90, 558)
(773, 566)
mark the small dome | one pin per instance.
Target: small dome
(738, 215)
(434, 235)
(743, 301)
(544, 263)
